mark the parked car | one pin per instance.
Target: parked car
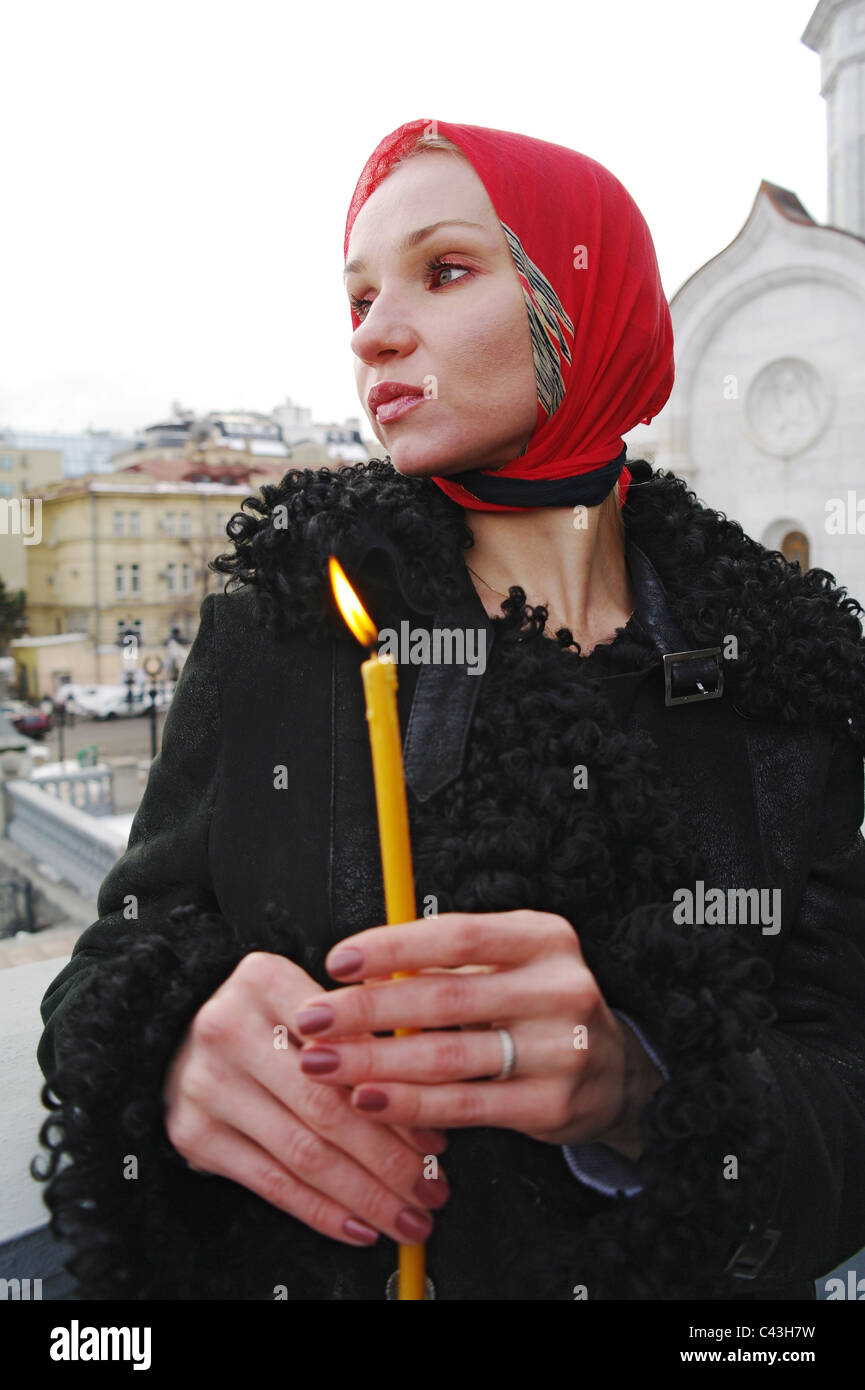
(26, 719)
(112, 701)
(67, 696)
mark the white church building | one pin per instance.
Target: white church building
(766, 420)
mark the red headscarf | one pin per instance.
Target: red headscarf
(602, 336)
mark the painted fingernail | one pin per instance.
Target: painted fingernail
(414, 1224)
(433, 1192)
(345, 962)
(358, 1230)
(319, 1060)
(314, 1020)
(371, 1100)
(435, 1141)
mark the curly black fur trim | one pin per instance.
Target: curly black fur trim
(704, 997)
(282, 551)
(720, 581)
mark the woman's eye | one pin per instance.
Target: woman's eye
(433, 268)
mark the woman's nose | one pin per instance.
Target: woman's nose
(385, 330)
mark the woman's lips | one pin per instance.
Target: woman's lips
(389, 411)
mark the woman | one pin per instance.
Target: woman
(639, 873)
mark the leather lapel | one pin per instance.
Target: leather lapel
(652, 608)
(444, 700)
(355, 890)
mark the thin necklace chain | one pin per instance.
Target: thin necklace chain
(483, 581)
(504, 595)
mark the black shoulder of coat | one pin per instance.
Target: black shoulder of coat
(799, 646)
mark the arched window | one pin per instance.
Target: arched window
(794, 547)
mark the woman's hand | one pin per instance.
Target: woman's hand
(578, 1074)
(238, 1105)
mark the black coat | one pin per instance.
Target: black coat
(763, 1034)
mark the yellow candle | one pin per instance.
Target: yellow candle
(380, 687)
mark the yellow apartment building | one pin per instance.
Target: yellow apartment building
(122, 554)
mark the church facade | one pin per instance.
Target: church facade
(766, 419)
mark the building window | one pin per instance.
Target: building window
(5, 489)
(135, 579)
(171, 576)
(168, 523)
(795, 547)
(184, 523)
(119, 586)
(118, 524)
(135, 523)
(5, 461)
(187, 578)
(134, 626)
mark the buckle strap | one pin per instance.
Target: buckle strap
(688, 675)
(694, 675)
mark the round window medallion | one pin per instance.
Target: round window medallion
(787, 407)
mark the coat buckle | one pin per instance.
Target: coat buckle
(753, 1254)
(683, 671)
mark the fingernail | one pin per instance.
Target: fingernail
(435, 1141)
(314, 1020)
(433, 1192)
(346, 962)
(319, 1060)
(414, 1224)
(358, 1230)
(371, 1100)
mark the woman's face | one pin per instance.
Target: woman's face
(457, 333)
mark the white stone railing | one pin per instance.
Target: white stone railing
(91, 789)
(77, 846)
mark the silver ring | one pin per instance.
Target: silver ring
(509, 1055)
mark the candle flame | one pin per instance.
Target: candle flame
(350, 606)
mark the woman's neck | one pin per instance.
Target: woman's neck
(579, 573)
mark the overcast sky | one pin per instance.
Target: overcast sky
(176, 174)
